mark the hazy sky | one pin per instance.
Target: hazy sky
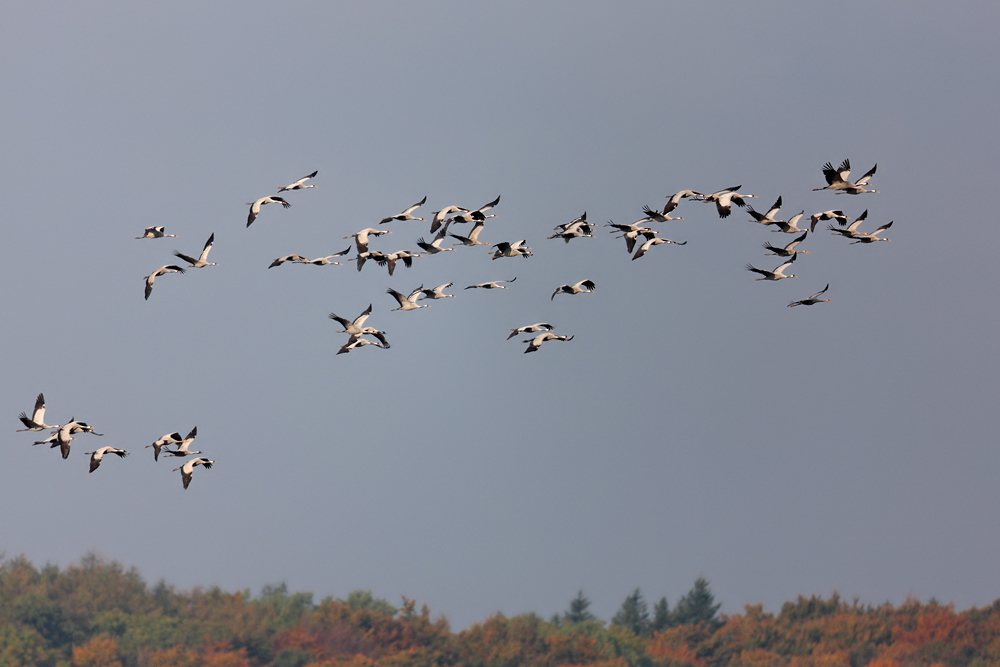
(694, 426)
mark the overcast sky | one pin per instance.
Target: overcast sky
(694, 426)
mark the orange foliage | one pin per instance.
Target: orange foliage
(98, 652)
(178, 656)
(757, 657)
(670, 649)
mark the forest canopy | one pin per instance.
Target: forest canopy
(99, 614)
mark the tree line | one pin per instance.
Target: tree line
(98, 614)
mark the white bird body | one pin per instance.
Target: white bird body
(355, 342)
(61, 438)
(517, 248)
(582, 287)
(479, 215)
(408, 302)
(644, 248)
(407, 214)
(324, 261)
(439, 216)
(299, 184)
(437, 292)
(788, 250)
(675, 199)
(851, 231)
(871, 237)
(827, 215)
(353, 327)
(37, 421)
(577, 228)
(96, 456)
(278, 261)
(151, 278)
(765, 218)
(777, 274)
(659, 216)
(493, 284)
(473, 237)
(790, 226)
(724, 199)
(531, 328)
(156, 233)
(202, 260)
(836, 179)
(168, 439)
(434, 247)
(632, 237)
(184, 446)
(187, 470)
(361, 238)
(537, 341)
(255, 206)
(638, 226)
(390, 259)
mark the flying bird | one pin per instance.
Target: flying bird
(531, 328)
(408, 302)
(37, 421)
(298, 185)
(789, 250)
(765, 218)
(187, 470)
(644, 248)
(169, 268)
(537, 341)
(324, 261)
(361, 238)
(61, 438)
(514, 249)
(355, 342)
(390, 259)
(777, 274)
(353, 327)
(202, 260)
(156, 233)
(473, 237)
(255, 206)
(659, 216)
(493, 284)
(790, 226)
(676, 198)
(184, 446)
(287, 258)
(851, 231)
(812, 299)
(96, 456)
(439, 216)
(478, 215)
(168, 439)
(724, 199)
(437, 292)
(871, 237)
(836, 179)
(407, 214)
(434, 247)
(827, 215)
(582, 287)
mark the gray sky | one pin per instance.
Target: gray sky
(695, 426)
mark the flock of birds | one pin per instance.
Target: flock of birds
(640, 238)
